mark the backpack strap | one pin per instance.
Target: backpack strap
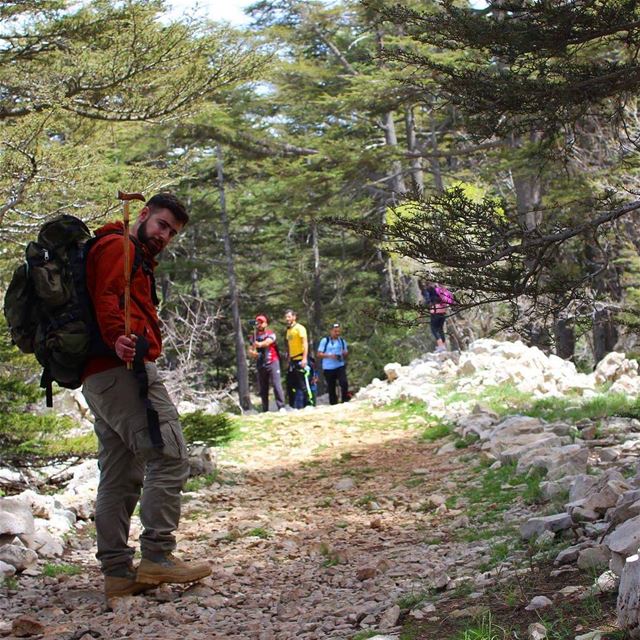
(326, 342)
(140, 372)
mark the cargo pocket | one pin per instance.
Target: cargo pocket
(174, 445)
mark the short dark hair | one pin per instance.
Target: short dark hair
(166, 200)
(291, 311)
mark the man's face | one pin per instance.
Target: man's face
(157, 228)
(261, 325)
(335, 332)
(290, 319)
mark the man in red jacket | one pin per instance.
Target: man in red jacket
(142, 449)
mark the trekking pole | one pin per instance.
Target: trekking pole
(125, 198)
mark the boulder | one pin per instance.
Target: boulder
(202, 460)
(613, 366)
(625, 540)
(16, 519)
(535, 526)
(392, 371)
(19, 557)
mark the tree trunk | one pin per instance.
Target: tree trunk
(565, 338)
(417, 176)
(436, 172)
(628, 606)
(241, 355)
(605, 333)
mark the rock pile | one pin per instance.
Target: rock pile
(489, 363)
(594, 460)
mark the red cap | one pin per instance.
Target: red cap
(261, 318)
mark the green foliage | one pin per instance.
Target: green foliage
(200, 482)
(467, 441)
(436, 431)
(413, 598)
(485, 630)
(499, 488)
(10, 583)
(211, 430)
(259, 532)
(364, 635)
(62, 569)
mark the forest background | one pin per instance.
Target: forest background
(330, 155)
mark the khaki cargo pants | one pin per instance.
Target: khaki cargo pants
(130, 466)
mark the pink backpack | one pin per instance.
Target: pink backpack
(445, 295)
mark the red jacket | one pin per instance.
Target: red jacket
(105, 284)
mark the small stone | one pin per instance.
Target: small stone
(345, 484)
(538, 602)
(390, 618)
(25, 626)
(608, 582)
(536, 631)
(366, 573)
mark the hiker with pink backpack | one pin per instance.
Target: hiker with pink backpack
(438, 299)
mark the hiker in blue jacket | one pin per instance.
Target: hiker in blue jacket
(332, 351)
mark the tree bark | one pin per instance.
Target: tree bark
(565, 338)
(628, 606)
(242, 370)
(417, 175)
(605, 333)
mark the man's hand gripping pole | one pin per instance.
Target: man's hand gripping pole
(125, 198)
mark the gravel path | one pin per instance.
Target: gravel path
(319, 525)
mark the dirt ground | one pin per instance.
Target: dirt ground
(320, 525)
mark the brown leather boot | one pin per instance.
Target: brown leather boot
(171, 569)
(120, 586)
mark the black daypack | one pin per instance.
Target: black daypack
(47, 305)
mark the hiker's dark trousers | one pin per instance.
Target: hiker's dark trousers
(333, 376)
(296, 384)
(129, 465)
(437, 325)
(270, 375)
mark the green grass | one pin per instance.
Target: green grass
(486, 629)
(467, 441)
(413, 598)
(363, 635)
(507, 399)
(52, 570)
(10, 583)
(259, 532)
(436, 431)
(200, 482)
(331, 558)
(494, 493)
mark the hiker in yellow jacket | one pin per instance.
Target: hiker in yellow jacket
(298, 345)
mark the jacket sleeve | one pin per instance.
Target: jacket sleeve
(105, 279)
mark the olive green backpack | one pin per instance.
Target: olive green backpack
(47, 306)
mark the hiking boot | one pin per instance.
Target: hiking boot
(125, 585)
(171, 569)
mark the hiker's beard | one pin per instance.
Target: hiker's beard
(153, 245)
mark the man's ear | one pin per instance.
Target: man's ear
(144, 214)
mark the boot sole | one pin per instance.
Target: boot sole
(131, 591)
(160, 578)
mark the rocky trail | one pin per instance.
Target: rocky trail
(318, 524)
(389, 517)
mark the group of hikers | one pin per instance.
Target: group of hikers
(301, 377)
(142, 455)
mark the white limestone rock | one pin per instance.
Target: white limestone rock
(19, 557)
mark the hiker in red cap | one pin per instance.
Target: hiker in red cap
(265, 350)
